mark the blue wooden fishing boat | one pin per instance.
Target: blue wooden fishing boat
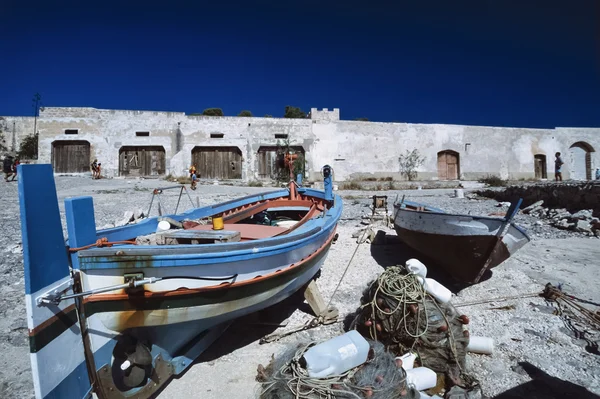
(118, 312)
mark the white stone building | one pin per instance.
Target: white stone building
(160, 143)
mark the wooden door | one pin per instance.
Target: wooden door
(448, 166)
(71, 156)
(218, 162)
(142, 161)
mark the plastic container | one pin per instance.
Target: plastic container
(482, 345)
(408, 360)
(217, 222)
(415, 266)
(286, 223)
(163, 225)
(422, 378)
(436, 290)
(337, 355)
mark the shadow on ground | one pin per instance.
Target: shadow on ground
(544, 386)
(388, 250)
(248, 329)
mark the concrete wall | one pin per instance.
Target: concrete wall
(355, 149)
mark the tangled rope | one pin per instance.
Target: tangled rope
(396, 310)
(101, 242)
(379, 378)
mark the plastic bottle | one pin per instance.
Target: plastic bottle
(482, 345)
(337, 355)
(422, 378)
(415, 266)
(435, 289)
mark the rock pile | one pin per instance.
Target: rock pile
(581, 221)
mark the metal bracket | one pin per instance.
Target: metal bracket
(52, 297)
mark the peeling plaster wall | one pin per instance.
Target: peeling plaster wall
(355, 149)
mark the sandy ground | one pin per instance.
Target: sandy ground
(538, 354)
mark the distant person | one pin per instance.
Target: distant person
(597, 173)
(558, 163)
(14, 168)
(7, 167)
(94, 167)
(194, 181)
(99, 171)
(192, 170)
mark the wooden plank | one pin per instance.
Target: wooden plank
(315, 299)
(214, 235)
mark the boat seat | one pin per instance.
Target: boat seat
(200, 236)
(247, 231)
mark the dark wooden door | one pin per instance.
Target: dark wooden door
(540, 166)
(218, 162)
(448, 166)
(142, 161)
(71, 156)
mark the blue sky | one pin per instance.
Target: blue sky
(485, 62)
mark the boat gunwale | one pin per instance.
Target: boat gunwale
(439, 212)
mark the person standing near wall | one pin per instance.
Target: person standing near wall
(558, 163)
(14, 168)
(597, 173)
(7, 167)
(94, 168)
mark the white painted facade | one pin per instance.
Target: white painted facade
(354, 149)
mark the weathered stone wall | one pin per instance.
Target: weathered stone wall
(355, 149)
(571, 196)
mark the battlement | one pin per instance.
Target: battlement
(325, 114)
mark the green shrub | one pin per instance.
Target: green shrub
(255, 183)
(493, 181)
(184, 180)
(351, 185)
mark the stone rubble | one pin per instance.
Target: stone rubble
(581, 221)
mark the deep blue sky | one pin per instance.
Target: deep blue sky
(481, 62)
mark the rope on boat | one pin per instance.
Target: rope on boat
(101, 242)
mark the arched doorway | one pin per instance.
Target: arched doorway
(448, 165)
(70, 156)
(581, 161)
(142, 161)
(540, 167)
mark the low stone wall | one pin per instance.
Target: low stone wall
(573, 196)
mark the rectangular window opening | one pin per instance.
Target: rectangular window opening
(71, 131)
(142, 134)
(281, 136)
(216, 135)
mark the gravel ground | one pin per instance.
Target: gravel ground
(537, 354)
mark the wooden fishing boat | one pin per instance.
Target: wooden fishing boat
(464, 246)
(118, 312)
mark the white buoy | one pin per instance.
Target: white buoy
(415, 266)
(163, 225)
(408, 360)
(125, 365)
(435, 289)
(483, 345)
(422, 378)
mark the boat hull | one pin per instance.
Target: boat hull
(459, 244)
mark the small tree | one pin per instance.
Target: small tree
(29, 147)
(409, 163)
(2, 142)
(362, 119)
(245, 113)
(212, 112)
(268, 116)
(294, 112)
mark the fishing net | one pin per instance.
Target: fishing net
(396, 311)
(378, 378)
